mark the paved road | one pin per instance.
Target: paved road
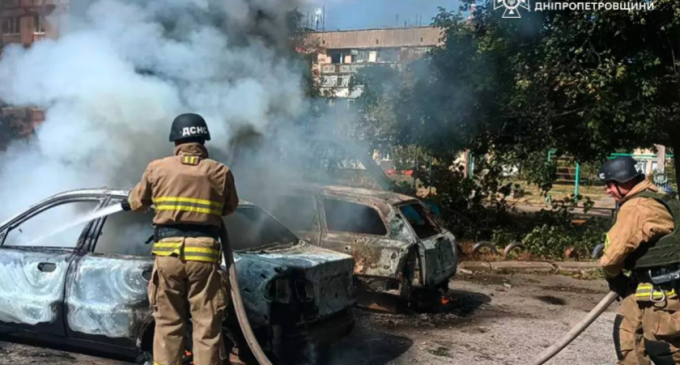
(493, 319)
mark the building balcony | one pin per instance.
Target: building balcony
(331, 68)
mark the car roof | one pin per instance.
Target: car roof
(346, 191)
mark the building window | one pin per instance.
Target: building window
(362, 56)
(38, 25)
(337, 57)
(11, 26)
(388, 55)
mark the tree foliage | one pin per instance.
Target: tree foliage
(583, 82)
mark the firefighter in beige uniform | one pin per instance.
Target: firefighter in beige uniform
(643, 219)
(191, 194)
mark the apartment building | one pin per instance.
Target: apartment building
(342, 53)
(24, 22)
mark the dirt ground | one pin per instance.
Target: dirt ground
(492, 319)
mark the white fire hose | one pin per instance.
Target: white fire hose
(576, 330)
(248, 334)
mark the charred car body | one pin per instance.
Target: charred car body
(86, 284)
(398, 245)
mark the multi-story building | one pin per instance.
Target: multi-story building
(24, 22)
(342, 53)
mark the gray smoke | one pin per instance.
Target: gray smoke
(119, 73)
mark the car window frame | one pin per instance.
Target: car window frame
(98, 229)
(428, 215)
(321, 204)
(271, 216)
(111, 199)
(43, 206)
(316, 227)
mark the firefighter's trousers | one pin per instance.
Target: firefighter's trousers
(628, 333)
(179, 288)
(661, 323)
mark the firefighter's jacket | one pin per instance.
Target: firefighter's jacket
(187, 189)
(639, 221)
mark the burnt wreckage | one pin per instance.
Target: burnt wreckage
(398, 245)
(86, 285)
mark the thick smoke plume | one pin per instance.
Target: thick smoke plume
(119, 73)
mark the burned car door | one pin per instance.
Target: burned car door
(436, 245)
(360, 230)
(299, 214)
(106, 294)
(37, 249)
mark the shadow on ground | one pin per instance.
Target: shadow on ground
(366, 346)
(40, 351)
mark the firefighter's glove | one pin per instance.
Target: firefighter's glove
(126, 206)
(619, 284)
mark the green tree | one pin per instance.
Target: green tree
(583, 82)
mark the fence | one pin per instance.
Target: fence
(570, 171)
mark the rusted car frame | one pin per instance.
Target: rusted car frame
(77, 295)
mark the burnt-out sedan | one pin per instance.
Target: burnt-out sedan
(84, 283)
(398, 245)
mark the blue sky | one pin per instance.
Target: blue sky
(360, 14)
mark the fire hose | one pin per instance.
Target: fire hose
(240, 310)
(576, 330)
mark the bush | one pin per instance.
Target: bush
(476, 209)
(548, 241)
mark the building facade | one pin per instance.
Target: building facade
(340, 54)
(24, 22)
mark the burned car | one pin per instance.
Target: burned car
(85, 283)
(398, 245)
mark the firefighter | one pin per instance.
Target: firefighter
(191, 193)
(643, 221)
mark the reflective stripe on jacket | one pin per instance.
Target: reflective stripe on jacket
(177, 203)
(647, 292)
(188, 188)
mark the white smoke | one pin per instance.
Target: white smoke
(121, 70)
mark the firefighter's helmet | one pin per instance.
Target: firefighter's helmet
(621, 170)
(189, 126)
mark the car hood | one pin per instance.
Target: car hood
(328, 273)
